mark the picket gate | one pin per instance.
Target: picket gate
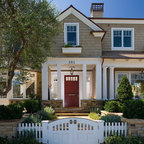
(73, 131)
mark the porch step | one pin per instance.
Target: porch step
(71, 110)
(72, 114)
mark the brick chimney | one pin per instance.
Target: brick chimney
(97, 10)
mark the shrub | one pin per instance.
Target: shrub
(15, 110)
(28, 137)
(124, 90)
(133, 109)
(32, 119)
(113, 106)
(49, 110)
(111, 118)
(47, 114)
(95, 110)
(32, 105)
(12, 111)
(94, 116)
(125, 140)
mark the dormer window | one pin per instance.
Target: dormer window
(122, 39)
(71, 34)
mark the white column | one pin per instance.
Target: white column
(59, 80)
(104, 83)
(45, 81)
(23, 90)
(84, 81)
(111, 83)
(98, 81)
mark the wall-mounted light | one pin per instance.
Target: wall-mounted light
(71, 70)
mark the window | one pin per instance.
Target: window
(136, 80)
(26, 88)
(122, 39)
(71, 33)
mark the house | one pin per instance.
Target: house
(89, 58)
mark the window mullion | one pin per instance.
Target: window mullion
(122, 39)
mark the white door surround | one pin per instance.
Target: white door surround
(79, 61)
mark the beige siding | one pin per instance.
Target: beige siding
(91, 45)
(138, 35)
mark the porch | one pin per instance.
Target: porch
(115, 69)
(64, 79)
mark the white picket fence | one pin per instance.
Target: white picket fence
(76, 130)
(36, 128)
(116, 128)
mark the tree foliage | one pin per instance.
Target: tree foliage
(124, 90)
(26, 30)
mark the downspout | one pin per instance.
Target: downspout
(102, 76)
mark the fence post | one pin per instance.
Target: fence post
(101, 130)
(45, 131)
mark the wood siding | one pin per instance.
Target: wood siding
(138, 35)
(91, 45)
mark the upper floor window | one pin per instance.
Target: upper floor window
(71, 34)
(122, 39)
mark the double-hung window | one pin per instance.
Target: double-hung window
(71, 34)
(122, 39)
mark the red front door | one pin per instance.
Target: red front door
(71, 90)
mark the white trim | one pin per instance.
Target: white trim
(77, 32)
(72, 50)
(122, 48)
(117, 21)
(85, 20)
(98, 34)
(54, 74)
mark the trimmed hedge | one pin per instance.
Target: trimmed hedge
(113, 106)
(12, 111)
(133, 109)
(111, 118)
(125, 140)
(32, 105)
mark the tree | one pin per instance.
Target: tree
(26, 30)
(124, 90)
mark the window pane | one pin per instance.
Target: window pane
(137, 82)
(127, 38)
(71, 35)
(117, 38)
(71, 38)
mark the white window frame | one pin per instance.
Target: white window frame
(77, 32)
(122, 48)
(128, 73)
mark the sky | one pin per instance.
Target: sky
(112, 8)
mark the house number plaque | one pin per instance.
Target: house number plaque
(71, 62)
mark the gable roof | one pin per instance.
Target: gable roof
(72, 10)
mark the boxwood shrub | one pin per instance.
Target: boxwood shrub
(12, 111)
(125, 140)
(32, 105)
(111, 118)
(133, 109)
(113, 106)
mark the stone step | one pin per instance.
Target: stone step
(71, 110)
(72, 114)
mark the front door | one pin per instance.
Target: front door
(71, 90)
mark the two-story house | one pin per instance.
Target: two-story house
(90, 56)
